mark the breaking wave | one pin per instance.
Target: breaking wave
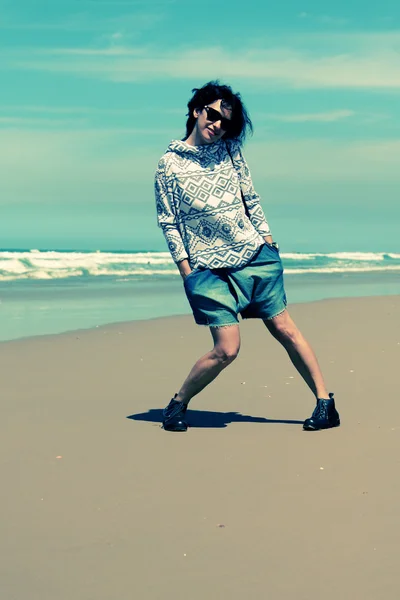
(56, 265)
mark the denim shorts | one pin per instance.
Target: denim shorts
(256, 290)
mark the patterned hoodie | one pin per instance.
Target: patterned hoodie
(200, 207)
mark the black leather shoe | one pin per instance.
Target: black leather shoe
(324, 416)
(174, 416)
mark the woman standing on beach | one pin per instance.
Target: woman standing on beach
(218, 236)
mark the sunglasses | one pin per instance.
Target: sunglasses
(213, 116)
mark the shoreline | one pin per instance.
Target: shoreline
(35, 309)
(132, 322)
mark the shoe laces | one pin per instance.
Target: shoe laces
(175, 409)
(321, 410)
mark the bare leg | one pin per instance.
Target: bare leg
(300, 352)
(206, 369)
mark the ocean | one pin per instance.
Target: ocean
(51, 291)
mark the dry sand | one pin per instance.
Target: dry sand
(98, 506)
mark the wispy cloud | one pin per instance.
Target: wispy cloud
(129, 2)
(38, 122)
(374, 66)
(27, 108)
(323, 117)
(127, 24)
(324, 19)
(73, 117)
(113, 51)
(75, 128)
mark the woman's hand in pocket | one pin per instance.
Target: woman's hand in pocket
(184, 268)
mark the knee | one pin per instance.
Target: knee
(226, 354)
(287, 333)
(284, 329)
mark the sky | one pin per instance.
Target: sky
(93, 91)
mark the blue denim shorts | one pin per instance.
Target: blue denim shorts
(256, 290)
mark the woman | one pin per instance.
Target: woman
(219, 238)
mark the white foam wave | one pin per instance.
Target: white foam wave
(297, 256)
(356, 256)
(48, 265)
(363, 256)
(342, 270)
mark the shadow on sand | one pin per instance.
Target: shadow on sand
(206, 418)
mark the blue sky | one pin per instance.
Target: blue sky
(93, 91)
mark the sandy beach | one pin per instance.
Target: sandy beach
(99, 503)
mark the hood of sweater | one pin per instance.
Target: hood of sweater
(204, 151)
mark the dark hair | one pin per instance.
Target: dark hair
(209, 93)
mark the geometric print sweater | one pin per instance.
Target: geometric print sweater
(200, 207)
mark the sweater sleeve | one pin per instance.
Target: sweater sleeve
(251, 198)
(166, 214)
